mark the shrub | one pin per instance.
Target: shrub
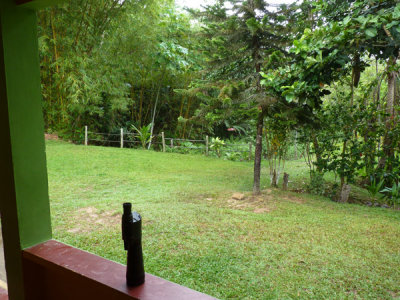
(144, 134)
(392, 195)
(217, 144)
(317, 183)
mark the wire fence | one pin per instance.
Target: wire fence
(126, 139)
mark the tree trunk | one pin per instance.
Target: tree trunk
(342, 177)
(153, 117)
(388, 148)
(139, 117)
(258, 153)
(345, 192)
(155, 109)
(317, 152)
(187, 117)
(274, 179)
(260, 121)
(370, 155)
(285, 181)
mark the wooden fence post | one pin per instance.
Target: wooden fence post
(163, 141)
(86, 136)
(206, 145)
(172, 143)
(122, 138)
(250, 150)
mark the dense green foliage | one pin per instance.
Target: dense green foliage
(321, 74)
(112, 64)
(279, 245)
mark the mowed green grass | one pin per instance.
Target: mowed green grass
(281, 245)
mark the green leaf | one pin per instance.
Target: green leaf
(362, 20)
(396, 12)
(391, 24)
(346, 20)
(290, 97)
(371, 32)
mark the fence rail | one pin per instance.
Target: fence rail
(172, 143)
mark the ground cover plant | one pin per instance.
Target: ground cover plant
(204, 229)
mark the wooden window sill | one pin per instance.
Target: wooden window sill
(53, 270)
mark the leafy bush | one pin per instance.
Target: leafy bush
(144, 134)
(183, 148)
(186, 147)
(392, 195)
(375, 186)
(235, 156)
(217, 144)
(317, 183)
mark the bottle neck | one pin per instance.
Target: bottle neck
(127, 208)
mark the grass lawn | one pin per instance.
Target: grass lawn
(280, 245)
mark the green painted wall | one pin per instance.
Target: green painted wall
(8, 204)
(24, 201)
(26, 124)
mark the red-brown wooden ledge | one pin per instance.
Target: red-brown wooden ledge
(53, 270)
(3, 294)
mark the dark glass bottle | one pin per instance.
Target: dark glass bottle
(132, 236)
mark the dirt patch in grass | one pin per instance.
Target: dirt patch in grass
(53, 137)
(394, 295)
(90, 218)
(263, 203)
(294, 199)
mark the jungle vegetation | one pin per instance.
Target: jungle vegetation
(321, 74)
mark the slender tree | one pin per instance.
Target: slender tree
(237, 36)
